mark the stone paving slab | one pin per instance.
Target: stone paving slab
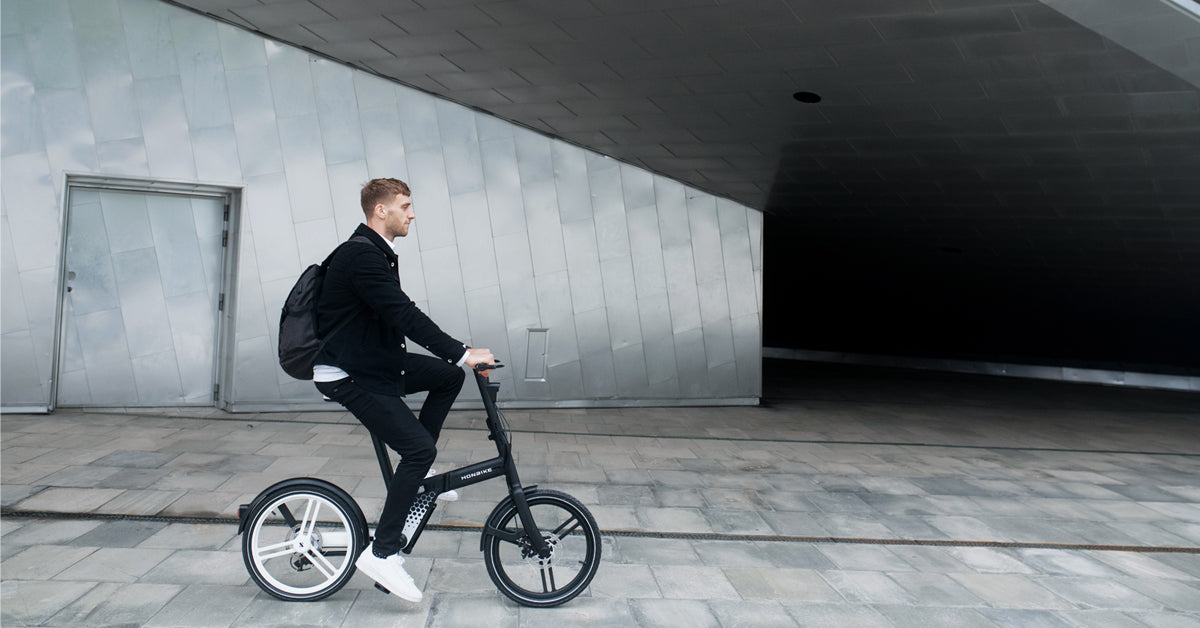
(938, 460)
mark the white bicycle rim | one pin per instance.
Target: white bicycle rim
(313, 506)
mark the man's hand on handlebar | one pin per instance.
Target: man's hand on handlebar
(475, 357)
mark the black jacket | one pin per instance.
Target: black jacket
(363, 285)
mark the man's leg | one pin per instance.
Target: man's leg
(443, 381)
(391, 420)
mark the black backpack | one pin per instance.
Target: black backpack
(299, 341)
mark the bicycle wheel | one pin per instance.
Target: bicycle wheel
(301, 542)
(517, 570)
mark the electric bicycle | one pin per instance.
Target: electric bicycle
(541, 548)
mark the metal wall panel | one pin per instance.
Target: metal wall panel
(515, 267)
(315, 239)
(444, 284)
(434, 225)
(476, 248)
(252, 319)
(608, 207)
(620, 299)
(691, 364)
(583, 265)
(149, 40)
(304, 163)
(50, 39)
(13, 315)
(105, 65)
(595, 350)
(290, 80)
(485, 311)
(216, 154)
(21, 121)
(755, 221)
(706, 238)
(737, 255)
(554, 305)
(69, 141)
(123, 157)
(239, 49)
(536, 168)
(201, 71)
(571, 182)
(630, 366)
(276, 257)
(345, 185)
(648, 289)
(254, 121)
(337, 112)
(418, 118)
(165, 128)
(502, 181)
(383, 143)
(650, 276)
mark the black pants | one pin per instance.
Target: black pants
(415, 439)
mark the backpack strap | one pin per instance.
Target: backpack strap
(325, 268)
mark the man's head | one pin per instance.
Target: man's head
(387, 207)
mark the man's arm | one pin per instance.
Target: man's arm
(374, 282)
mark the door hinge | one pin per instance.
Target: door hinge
(221, 303)
(216, 392)
(225, 224)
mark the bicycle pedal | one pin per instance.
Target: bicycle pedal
(382, 588)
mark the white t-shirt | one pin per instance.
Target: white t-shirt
(326, 373)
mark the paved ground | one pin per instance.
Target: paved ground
(800, 512)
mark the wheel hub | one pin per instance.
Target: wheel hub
(310, 542)
(528, 551)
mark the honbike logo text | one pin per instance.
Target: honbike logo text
(475, 474)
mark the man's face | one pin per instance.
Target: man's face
(399, 215)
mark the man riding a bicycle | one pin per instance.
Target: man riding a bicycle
(366, 367)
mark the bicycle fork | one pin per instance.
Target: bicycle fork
(536, 540)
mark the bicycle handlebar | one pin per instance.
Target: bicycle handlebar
(479, 368)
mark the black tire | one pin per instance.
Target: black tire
(300, 542)
(518, 572)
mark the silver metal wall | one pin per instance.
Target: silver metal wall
(648, 290)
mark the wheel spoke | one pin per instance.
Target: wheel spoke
(319, 561)
(269, 552)
(563, 529)
(310, 516)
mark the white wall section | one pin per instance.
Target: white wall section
(650, 290)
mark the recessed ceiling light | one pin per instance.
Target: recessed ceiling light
(807, 97)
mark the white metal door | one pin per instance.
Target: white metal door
(143, 281)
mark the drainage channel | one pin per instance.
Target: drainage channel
(687, 536)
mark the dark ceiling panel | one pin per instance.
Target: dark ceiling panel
(1001, 129)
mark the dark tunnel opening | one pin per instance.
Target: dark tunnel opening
(850, 286)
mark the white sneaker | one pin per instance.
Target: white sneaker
(389, 572)
(448, 496)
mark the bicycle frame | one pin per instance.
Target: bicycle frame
(502, 464)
